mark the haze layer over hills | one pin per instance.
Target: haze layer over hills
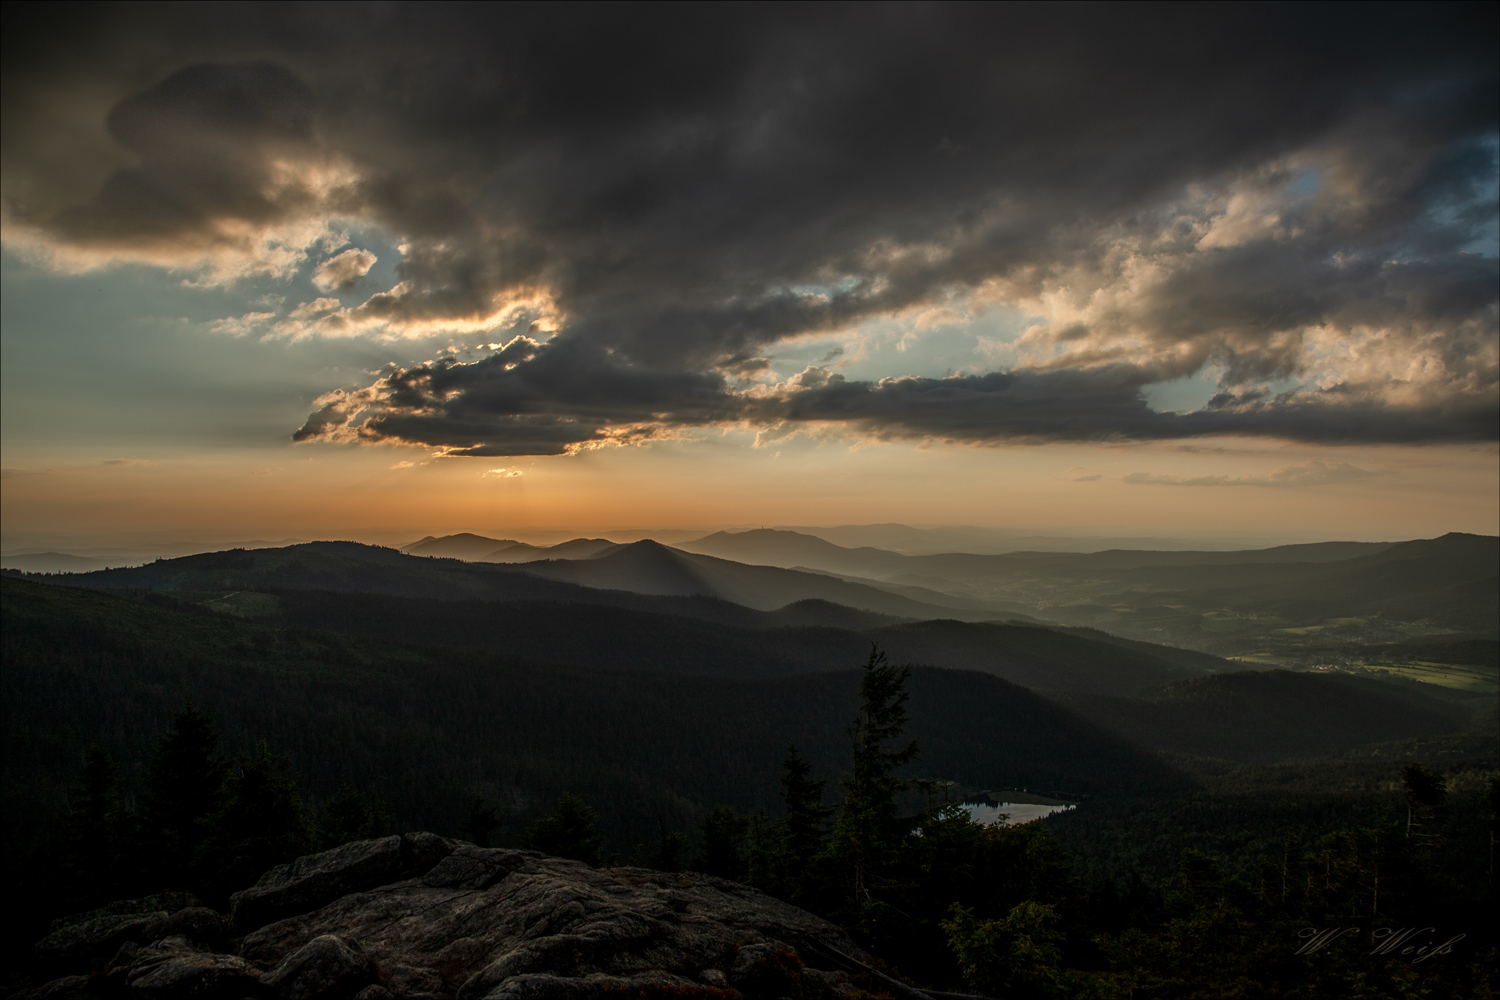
(1294, 605)
(1272, 605)
(1277, 606)
(590, 601)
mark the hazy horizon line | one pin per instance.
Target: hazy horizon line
(105, 546)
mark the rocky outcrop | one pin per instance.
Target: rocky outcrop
(487, 923)
(311, 881)
(422, 917)
(326, 968)
(86, 939)
(177, 969)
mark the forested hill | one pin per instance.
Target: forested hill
(779, 547)
(1276, 714)
(493, 713)
(434, 733)
(615, 638)
(428, 730)
(638, 576)
(381, 594)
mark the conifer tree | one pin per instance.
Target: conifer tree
(1493, 799)
(570, 832)
(262, 823)
(723, 850)
(869, 828)
(482, 822)
(782, 856)
(671, 849)
(184, 787)
(97, 832)
(1425, 793)
(352, 816)
(806, 814)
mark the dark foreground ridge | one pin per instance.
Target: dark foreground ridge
(424, 916)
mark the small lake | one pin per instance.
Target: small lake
(1015, 812)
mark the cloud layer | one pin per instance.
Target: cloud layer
(342, 272)
(1310, 473)
(644, 205)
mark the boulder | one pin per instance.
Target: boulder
(90, 941)
(198, 923)
(471, 867)
(421, 850)
(120, 964)
(420, 917)
(102, 933)
(413, 981)
(601, 987)
(316, 879)
(766, 968)
(491, 924)
(66, 988)
(176, 969)
(326, 968)
(171, 902)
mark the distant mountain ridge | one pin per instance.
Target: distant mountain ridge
(478, 548)
(53, 562)
(788, 548)
(649, 567)
(466, 546)
(1276, 602)
(643, 568)
(1197, 599)
(795, 550)
(1453, 579)
(703, 617)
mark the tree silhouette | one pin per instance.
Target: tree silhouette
(570, 832)
(806, 814)
(262, 823)
(96, 833)
(671, 849)
(723, 850)
(351, 816)
(869, 828)
(482, 823)
(184, 786)
(1425, 792)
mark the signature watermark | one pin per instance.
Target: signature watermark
(1403, 941)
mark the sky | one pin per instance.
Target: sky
(385, 270)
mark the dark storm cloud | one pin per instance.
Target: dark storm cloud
(560, 401)
(679, 189)
(206, 140)
(1106, 403)
(526, 399)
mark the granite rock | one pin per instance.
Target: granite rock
(482, 918)
(326, 968)
(177, 969)
(421, 917)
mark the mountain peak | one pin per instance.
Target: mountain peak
(464, 545)
(646, 545)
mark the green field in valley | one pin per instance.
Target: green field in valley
(1462, 677)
